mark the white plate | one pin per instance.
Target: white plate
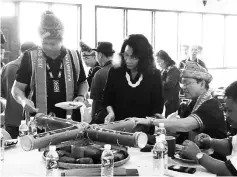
(69, 105)
(177, 156)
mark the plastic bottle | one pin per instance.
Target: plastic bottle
(160, 157)
(160, 130)
(52, 162)
(107, 162)
(1, 146)
(32, 126)
(23, 129)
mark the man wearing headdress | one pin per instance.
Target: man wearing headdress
(51, 73)
(203, 114)
(89, 57)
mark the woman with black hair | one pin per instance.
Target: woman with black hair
(134, 88)
(170, 75)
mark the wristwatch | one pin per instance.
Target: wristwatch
(199, 156)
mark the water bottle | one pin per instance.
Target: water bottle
(32, 126)
(160, 157)
(160, 130)
(52, 162)
(1, 146)
(107, 162)
(23, 129)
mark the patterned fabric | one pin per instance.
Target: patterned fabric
(194, 70)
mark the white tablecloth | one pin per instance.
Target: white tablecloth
(18, 162)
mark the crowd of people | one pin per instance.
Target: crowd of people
(132, 87)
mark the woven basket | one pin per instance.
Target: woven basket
(79, 166)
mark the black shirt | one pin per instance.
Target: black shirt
(144, 100)
(24, 76)
(212, 117)
(91, 74)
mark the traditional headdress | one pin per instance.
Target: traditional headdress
(51, 26)
(194, 70)
(85, 48)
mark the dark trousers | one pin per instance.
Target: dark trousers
(12, 130)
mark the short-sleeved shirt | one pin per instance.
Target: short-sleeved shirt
(210, 117)
(146, 99)
(231, 164)
(91, 74)
(97, 87)
(24, 76)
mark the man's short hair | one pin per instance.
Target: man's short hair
(26, 46)
(231, 91)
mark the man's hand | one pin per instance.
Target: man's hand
(29, 106)
(110, 117)
(203, 140)
(79, 99)
(173, 115)
(190, 150)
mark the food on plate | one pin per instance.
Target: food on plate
(67, 159)
(85, 160)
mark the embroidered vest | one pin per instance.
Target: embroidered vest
(38, 78)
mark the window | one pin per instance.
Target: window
(70, 18)
(140, 22)
(166, 33)
(190, 29)
(213, 40)
(7, 9)
(110, 26)
(230, 39)
(30, 14)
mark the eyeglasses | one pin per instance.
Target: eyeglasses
(185, 84)
(126, 56)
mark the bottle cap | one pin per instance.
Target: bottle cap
(161, 125)
(107, 146)
(52, 148)
(23, 121)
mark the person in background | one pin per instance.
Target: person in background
(3, 41)
(194, 51)
(226, 147)
(2, 51)
(134, 88)
(202, 114)
(105, 55)
(13, 111)
(170, 76)
(51, 73)
(89, 57)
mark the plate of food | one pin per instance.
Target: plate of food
(70, 105)
(89, 156)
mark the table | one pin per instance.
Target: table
(18, 162)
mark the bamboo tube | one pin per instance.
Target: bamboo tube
(42, 140)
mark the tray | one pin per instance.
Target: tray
(81, 166)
